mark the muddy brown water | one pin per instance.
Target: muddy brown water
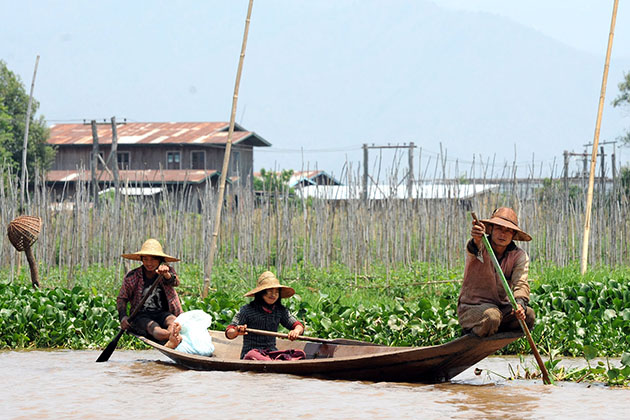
(146, 385)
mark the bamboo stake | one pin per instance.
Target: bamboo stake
(25, 146)
(591, 178)
(226, 158)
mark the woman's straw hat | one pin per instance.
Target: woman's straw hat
(268, 280)
(506, 217)
(150, 247)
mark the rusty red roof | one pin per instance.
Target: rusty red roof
(152, 133)
(149, 176)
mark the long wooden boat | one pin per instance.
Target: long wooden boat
(363, 361)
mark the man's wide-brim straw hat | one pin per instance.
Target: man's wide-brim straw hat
(150, 247)
(506, 217)
(268, 280)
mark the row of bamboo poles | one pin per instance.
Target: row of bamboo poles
(280, 230)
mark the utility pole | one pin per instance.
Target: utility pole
(614, 172)
(364, 193)
(409, 147)
(112, 159)
(94, 163)
(410, 175)
(602, 169)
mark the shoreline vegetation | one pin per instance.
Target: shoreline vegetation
(576, 316)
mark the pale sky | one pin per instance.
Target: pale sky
(485, 79)
(582, 24)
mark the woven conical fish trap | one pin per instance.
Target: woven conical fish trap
(23, 231)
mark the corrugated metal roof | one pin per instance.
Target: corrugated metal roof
(152, 133)
(383, 192)
(153, 176)
(134, 191)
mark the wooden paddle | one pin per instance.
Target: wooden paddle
(510, 295)
(337, 341)
(106, 354)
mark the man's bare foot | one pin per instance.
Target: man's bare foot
(174, 338)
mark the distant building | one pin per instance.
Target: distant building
(462, 193)
(300, 179)
(305, 178)
(151, 155)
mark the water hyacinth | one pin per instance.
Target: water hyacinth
(576, 316)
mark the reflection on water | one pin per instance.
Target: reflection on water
(69, 384)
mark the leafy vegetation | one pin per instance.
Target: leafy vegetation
(273, 182)
(624, 100)
(576, 316)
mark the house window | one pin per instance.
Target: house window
(198, 159)
(123, 160)
(173, 160)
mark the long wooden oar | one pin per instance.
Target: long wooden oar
(338, 341)
(510, 295)
(106, 354)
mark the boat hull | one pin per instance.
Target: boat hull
(430, 364)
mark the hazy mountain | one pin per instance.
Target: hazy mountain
(322, 77)
(478, 83)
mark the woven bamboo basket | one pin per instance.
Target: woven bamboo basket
(23, 231)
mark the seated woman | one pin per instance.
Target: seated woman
(156, 316)
(265, 312)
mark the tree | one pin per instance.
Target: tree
(13, 108)
(624, 176)
(624, 100)
(272, 182)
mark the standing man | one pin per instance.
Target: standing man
(483, 307)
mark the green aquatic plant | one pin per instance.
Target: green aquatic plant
(595, 371)
(573, 312)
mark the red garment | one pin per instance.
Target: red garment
(292, 354)
(131, 292)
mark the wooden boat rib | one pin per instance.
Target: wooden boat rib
(364, 362)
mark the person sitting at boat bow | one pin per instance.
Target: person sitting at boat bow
(483, 306)
(265, 312)
(155, 319)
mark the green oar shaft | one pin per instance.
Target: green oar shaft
(498, 269)
(510, 295)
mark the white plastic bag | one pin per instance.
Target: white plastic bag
(194, 332)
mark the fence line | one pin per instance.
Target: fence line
(280, 230)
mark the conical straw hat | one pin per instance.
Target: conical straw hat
(150, 247)
(506, 217)
(268, 280)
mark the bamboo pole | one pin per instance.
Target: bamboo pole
(591, 178)
(25, 146)
(226, 158)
